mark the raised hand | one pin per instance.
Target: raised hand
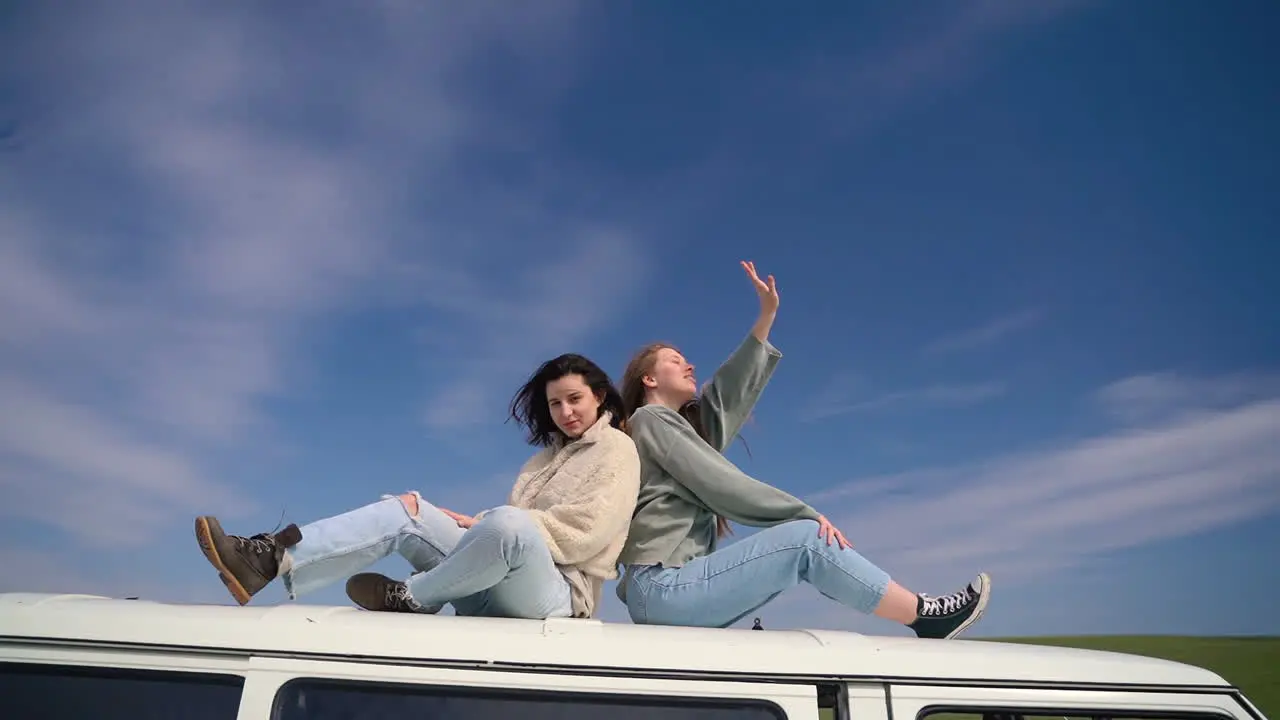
(768, 291)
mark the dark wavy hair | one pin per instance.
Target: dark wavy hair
(529, 406)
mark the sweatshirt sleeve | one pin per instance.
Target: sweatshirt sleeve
(710, 476)
(728, 399)
(597, 511)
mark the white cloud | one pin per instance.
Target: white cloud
(68, 466)
(985, 334)
(1141, 397)
(957, 44)
(1025, 514)
(840, 395)
(931, 55)
(195, 190)
(828, 404)
(552, 309)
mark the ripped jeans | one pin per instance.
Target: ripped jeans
(500, 567)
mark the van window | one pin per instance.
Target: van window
(344, 700)
(62, 692)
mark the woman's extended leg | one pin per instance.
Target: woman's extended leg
(501, 567)
(331, 549)
(719, 589)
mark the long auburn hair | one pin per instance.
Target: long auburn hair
(633, 393)
(529, 405)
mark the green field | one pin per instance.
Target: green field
(1250, 663)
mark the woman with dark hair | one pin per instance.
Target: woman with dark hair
(675, 574)
(547, 553)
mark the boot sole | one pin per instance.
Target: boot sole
(205, 538)
(978, 611)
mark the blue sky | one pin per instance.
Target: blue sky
(264, 263)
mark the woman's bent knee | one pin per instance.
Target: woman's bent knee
(802, 530)
(804, 535)
(507, 521)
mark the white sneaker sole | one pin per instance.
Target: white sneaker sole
(983, 586)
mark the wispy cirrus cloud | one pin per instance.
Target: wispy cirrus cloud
(935, 54)
(69, 466)
(192, 190)
(892, 67)
(839, 399)
(1023, 515)
(508, 329)
(985, 334)
(1141, 397)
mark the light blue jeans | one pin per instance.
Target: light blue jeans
(720, 589)
(500, 567)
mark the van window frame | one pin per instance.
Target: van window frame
(622, 696)
(62, 669)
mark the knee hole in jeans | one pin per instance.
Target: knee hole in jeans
(410, 502)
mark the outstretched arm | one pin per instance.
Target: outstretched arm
(717, 482)
(732, 393)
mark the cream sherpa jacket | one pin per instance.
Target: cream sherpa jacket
(581, 496)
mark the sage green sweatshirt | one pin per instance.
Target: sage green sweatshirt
(685, 482)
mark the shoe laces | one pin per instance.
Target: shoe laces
(947, 604)
(397, 595)
(259, 544)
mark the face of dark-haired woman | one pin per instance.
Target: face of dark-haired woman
(574, 407)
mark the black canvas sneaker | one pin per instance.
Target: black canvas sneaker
(947, 616)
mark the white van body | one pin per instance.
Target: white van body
(65, 656)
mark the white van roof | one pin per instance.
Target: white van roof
(567, 644)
